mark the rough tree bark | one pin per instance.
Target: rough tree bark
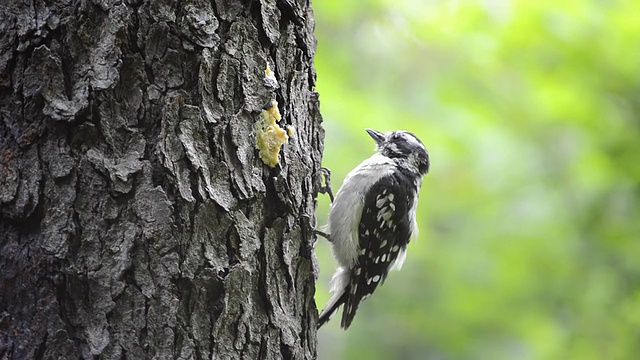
(137, 219)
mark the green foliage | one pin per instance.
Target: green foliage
(529, 243)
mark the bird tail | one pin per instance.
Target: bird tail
(338, 285)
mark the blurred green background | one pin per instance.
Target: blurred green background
(529, 244)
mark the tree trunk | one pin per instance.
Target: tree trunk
(137, 218)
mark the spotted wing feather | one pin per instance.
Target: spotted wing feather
(384, 232)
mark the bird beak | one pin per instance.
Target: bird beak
(376, 135)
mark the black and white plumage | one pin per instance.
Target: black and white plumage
(372, 219)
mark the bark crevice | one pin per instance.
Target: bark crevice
(136, 217)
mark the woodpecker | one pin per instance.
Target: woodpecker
(372, 219)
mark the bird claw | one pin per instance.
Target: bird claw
(326, 188)
(322, 233)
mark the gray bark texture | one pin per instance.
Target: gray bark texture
(136, 218)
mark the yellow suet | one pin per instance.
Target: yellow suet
(270, 136)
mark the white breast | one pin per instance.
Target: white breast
(346, 210)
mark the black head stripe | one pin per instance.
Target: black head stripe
(402, 144)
